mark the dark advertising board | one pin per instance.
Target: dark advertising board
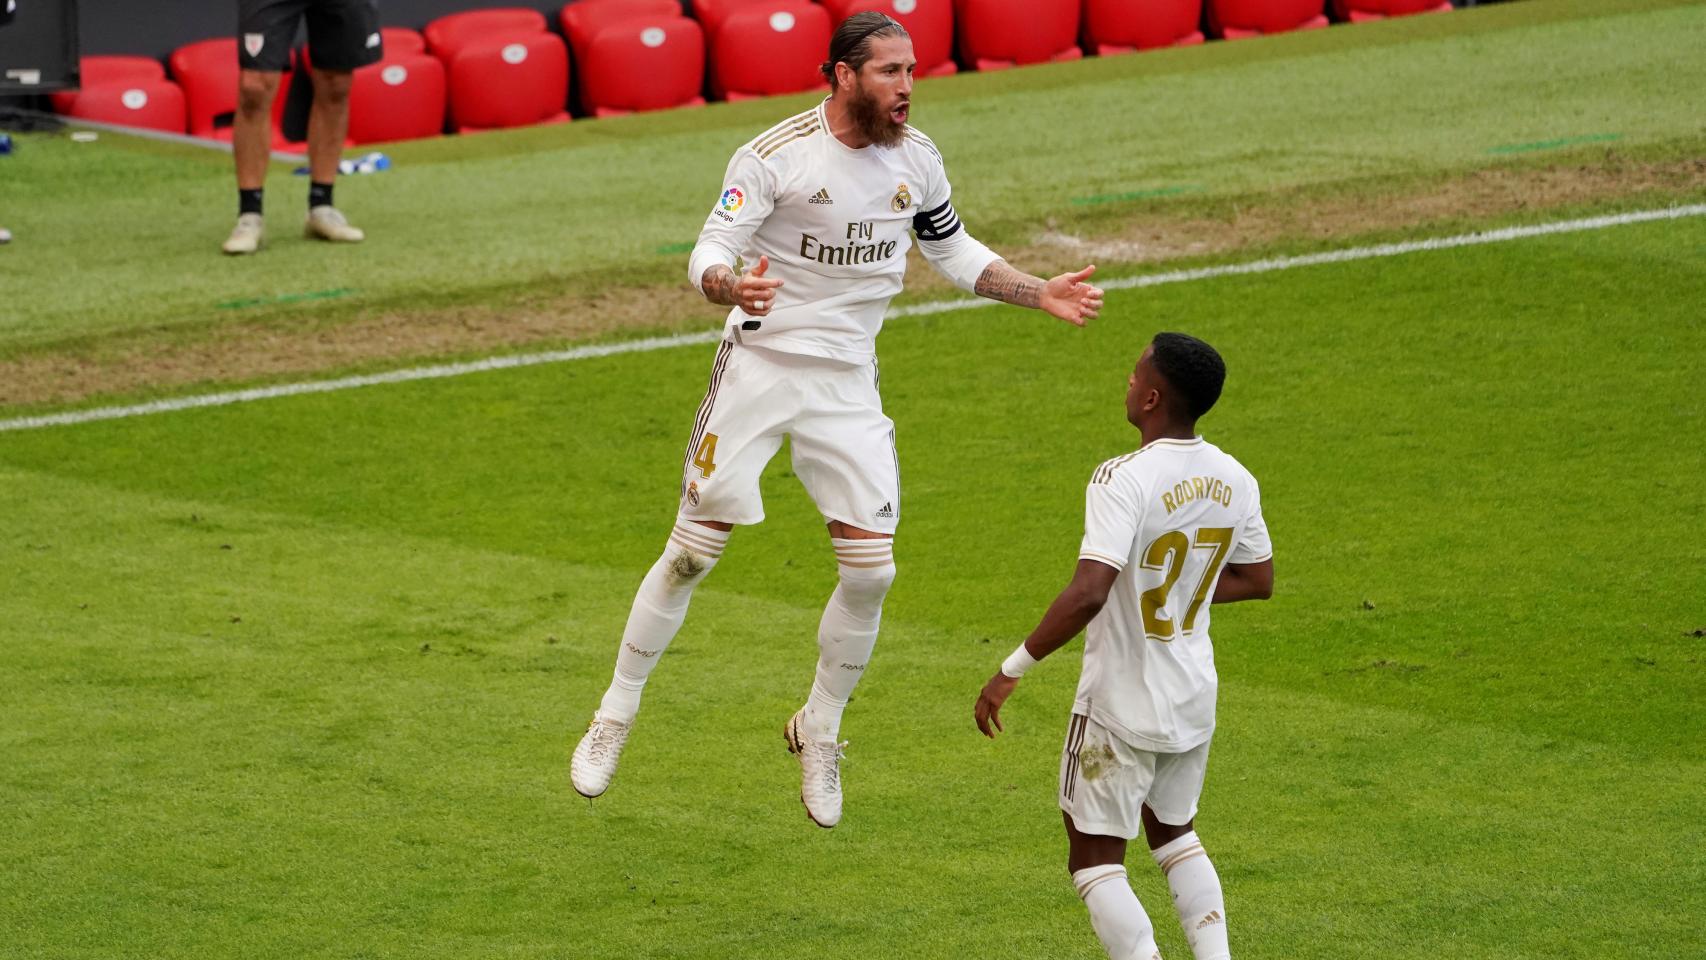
(38, 46)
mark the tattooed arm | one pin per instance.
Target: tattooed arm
(972, 266)
(1066, 296)
(751, 291)
(999, 281)
(718, 285)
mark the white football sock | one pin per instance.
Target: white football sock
(659, 608)
(1116, 915)
(1196, 895)
(848, 632)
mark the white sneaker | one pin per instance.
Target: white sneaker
(595, 757)
(245, 236)
(820, 771)
(326, 222)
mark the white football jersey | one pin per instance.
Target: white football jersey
(1169, 517)
(836, 223)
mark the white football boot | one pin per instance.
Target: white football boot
(326, 222)
(246, 235)
(595, 757)
(820, 771)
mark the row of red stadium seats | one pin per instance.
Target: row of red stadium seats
(503, 67)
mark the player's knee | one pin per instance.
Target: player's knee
(866, 586)
(255, 91)
(684, 568)
(332, 88)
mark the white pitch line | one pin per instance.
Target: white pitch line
(914, 310)
(347, 383)
(1343, 256)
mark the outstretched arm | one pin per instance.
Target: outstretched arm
(1067, 616)
(972, 266)
(1066, 296)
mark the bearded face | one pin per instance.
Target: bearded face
(881, 119)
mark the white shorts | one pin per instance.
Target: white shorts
(1104, 781)
(843, 445)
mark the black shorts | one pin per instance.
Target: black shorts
(342, 34)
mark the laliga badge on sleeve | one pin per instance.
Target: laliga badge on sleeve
(729, 204)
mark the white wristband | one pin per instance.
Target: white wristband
(1018, 662)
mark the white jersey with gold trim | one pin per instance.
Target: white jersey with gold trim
(1169, 517)
(836, 223)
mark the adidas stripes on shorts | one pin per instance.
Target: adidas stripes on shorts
(1104, 781)
(843, 445)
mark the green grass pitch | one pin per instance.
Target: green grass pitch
(499, 219)
(303, 675)
(300, 678)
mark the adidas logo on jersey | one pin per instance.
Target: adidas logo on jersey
(887, 512)
(822, 196)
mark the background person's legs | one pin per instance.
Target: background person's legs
(251, 127)
(328, 124)
(251, 148)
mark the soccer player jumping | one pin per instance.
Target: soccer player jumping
(1168, 529)
(820, 209)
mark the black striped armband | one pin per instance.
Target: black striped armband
(938, 224)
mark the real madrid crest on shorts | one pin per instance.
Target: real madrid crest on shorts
(902, 200)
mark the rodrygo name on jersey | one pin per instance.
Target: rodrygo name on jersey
(1169, 517)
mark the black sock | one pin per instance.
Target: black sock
(248, 201)
(319, 195)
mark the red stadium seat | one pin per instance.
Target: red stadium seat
(769, 47)
(712, 13)
(401, 40)
(510, 83)
(105, 71)
(643, 63)
(447, 36)
(399, 98)
(150, 104)
(930, 22)
(1238, 19)
(583, 20)
(1121, 26)
(1357, 11)
(996, 34)
(207, 71)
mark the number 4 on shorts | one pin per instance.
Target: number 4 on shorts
(705, 458)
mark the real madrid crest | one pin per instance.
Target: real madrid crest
(902, 200)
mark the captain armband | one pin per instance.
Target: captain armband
(949, 248)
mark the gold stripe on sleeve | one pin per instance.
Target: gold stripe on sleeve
(806, 132)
